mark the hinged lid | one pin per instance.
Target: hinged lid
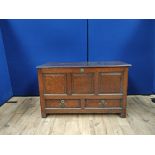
(85, 64)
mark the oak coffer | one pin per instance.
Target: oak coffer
(83, 87)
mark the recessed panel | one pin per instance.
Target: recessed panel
(83, 83)
(55, 83)
(110, 83)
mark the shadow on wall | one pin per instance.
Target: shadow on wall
(5, 82)
(139, 52)
(127, 40)
(20, 65)
(29, 43)
(154, 59)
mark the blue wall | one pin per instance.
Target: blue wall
(33, 42)
(127, 40)
(29, 43)
(5, 84)
(154, 60)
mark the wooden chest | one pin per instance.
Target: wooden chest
(94, 87)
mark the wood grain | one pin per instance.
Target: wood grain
(24, 118)
(87, 84)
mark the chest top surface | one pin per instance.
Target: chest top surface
(85, 64)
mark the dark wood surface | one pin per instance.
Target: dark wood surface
(84, 64)
(97, 87)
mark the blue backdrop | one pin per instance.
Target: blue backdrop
(5, 83)
(29, 43)
(127, 40)
(154, 59)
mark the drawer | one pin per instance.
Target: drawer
(60, 103)
(102, 103)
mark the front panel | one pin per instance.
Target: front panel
(96, 89)
(82, 83)
(55, 83)
(110, 82)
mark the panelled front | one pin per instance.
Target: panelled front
(82, 89)
(74, 82)
(68, 81)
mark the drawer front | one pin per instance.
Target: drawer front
(60, 103)
(102, 103)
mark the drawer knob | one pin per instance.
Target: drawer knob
(81, 70)
(62, 103)
(102, 103)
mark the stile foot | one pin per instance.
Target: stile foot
(44, 115)
(123, 115)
